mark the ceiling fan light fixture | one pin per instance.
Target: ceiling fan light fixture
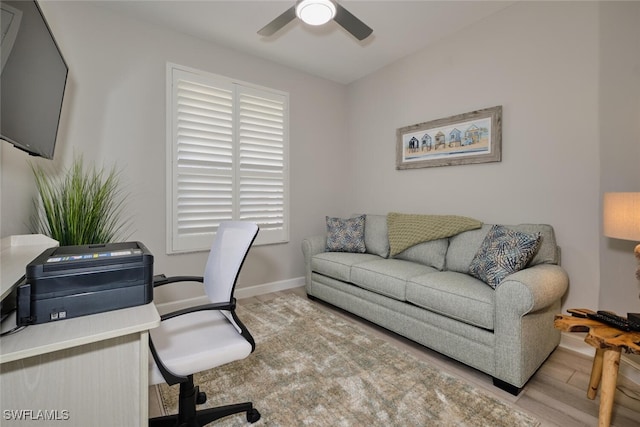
(316, 12)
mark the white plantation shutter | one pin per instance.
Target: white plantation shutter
(228, 159)
(261, 160)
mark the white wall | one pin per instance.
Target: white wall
(619, 84)
(540, 61)
(114, 113)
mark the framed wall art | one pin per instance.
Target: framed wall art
(474, 137)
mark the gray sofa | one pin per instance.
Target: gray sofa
(427, 294)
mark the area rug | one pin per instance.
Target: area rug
(311, 367)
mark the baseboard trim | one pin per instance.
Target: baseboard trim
(266, 288)
(630, 369)
(246, 292)
(574, 341)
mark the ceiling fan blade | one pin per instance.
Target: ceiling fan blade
(282, 20)
(356, 27)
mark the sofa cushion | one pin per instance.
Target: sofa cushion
(455, 295)
(375, 235)
(338, 264)
(503, 252)
(432, 253)
(345, 235)
(387, 276)
(464, 246)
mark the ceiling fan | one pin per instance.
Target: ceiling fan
(319, 12)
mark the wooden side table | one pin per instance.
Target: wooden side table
(609, 343)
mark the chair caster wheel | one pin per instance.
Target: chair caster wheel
(202, 397)
(253, 415)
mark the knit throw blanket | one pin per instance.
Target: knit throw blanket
(406, 230)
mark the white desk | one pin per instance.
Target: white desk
(15, 253)
(86, 371)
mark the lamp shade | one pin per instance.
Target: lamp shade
(621, 216)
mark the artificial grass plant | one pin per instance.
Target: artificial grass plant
(84, 206)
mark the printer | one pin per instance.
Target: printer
(72, 281)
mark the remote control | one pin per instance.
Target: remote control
(610, 319)
(613, 319)
(580, 312)
(633, 325)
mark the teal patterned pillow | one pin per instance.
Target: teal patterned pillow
(346, 235)
(502, 252)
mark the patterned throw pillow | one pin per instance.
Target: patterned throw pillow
(346, 235)
(502, 252)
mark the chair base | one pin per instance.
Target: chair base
(207, 416)
(187, 415)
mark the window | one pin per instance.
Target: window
(227, 158)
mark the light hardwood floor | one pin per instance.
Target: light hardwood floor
(556, 395)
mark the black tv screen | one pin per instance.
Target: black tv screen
(33, 79)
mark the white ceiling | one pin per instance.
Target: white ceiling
(399, 28)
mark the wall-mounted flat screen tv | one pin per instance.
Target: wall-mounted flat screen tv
(33, 79)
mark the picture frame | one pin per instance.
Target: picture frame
(469, 138)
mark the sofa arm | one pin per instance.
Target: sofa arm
(311, 246)
(526, 303)
(531, 289)
(314, 245)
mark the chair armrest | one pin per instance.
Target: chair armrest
(161, 279)
(214, 306)
(531, 289)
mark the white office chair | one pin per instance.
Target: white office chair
(207, 336)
